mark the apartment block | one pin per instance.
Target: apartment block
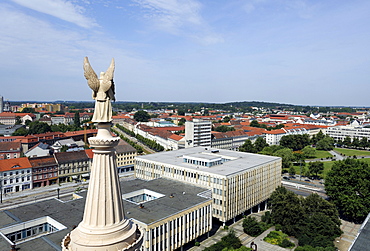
(198, 133)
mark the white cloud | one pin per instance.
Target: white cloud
(179, 17)
(61, 9)
(44, 63)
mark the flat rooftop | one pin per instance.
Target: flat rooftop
(238, 161)
(70, 212)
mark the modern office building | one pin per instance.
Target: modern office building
(198, 133)
(239, 181)
(170, 213)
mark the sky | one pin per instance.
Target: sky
(301, 52)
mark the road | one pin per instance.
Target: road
(134, 140)
(16, 199)
(304, 189)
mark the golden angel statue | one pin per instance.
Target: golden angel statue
(103, 91)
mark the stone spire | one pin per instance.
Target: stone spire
(104, 226)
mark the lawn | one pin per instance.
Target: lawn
(327, 167)
(351, 152)
(320, 154)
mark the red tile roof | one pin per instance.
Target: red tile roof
(176, 137)
(14, 164)
(89, 153)
(43, 161)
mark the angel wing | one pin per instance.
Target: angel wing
(90, 75)
(107, 84)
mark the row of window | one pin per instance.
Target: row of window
(16, 172)
(16, 180)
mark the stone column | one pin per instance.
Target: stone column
(104, 226)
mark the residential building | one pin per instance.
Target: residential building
(239, 181)
(341, 132)
(16, 175)
(273, 137)
(125, 156)
(231, 140)
(163, 136)
(198, 133)
(44, 171)
(73, 166)
(39, 150)
(10, 150)
(70, 145)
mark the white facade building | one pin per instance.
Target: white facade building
(15, 175)
(239, 181)
(273, 137)
(198, 133)
(341, 132)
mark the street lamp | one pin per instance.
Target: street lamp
(58, 189)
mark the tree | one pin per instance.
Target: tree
(224, 128)
(182, 121)
(325, 144)
(286, 210)
(247, 147)
(64, 148)
(254, 123)
(316, 167)
(28, 110)
(309, 152)
(251, 226)
(20, 132)
(347, 141)
(364, 142)
(355, 142)
(76, 120)
(313, 221)
(141, 116)
(226, 119)
(348, 186)
(18, 120)
(291, 170)
(37, 127)
(287, 157)
(319, 136)
(260, 143)
(270, 150)
(295, 142)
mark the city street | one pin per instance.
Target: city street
(16, 199)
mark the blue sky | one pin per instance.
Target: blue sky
(287, 51)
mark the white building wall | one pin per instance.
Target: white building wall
(177, 230)
(16, 180)
(232, 194)
(197, 133)
(341, 132)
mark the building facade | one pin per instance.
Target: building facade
(198, 133)
(10, 150)
(44, 171)
(341, 132)
(125, 156)
(239, 181)
(15, 175)
(73, 166)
